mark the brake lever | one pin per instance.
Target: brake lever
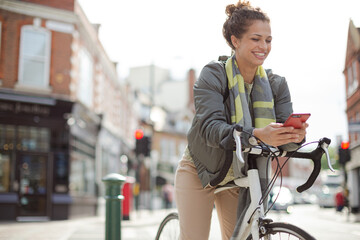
(236, 135)
(324, 146)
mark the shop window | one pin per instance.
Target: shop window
(82, 176)
(109, 162)
(4, 172)
(34, 60)
(7, 143)
(33, 139)
(61, 172)
(7, 137)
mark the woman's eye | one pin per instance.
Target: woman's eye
(255, 39)
(268, 41)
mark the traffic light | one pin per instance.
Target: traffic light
(143, 144)
(344, 153)
(139, 134)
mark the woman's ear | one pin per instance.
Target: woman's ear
(234, 41)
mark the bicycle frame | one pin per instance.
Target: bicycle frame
(256, 210)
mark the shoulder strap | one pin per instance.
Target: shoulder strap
(222, 60)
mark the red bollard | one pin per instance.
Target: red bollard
(127, 203)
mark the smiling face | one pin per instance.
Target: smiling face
(254, 45)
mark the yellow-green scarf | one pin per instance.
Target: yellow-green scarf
(261, 97)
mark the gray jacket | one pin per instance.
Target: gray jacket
(212, 122)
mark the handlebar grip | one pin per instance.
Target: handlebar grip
(316, 158)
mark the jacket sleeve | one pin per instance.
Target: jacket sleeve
(210, 114)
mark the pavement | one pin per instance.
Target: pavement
(143, 225)
(90, 228)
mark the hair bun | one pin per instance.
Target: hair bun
(231, 8)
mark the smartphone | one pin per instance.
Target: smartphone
(296, 120)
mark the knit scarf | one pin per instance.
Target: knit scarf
(261, 97)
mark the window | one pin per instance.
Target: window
(354, 68)
(85, 86)
(4, 172)
(33, 139)
(7, 142)
(352, 78)
(82, 167)
(34, 60)
(61, 171)
(168, 150)
(109, 162)
(82, 176)
(7, 137)
(0, 36)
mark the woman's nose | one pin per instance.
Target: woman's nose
(263, 45)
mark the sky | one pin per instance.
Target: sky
(308, 47)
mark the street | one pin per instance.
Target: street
(321, 223)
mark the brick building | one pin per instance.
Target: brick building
(65, 119)
(351, 72)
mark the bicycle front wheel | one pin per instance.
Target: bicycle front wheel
(279, 230)
(169, 228)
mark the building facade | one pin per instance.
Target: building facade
(352, 74)
(65, 119)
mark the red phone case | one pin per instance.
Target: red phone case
(296, 119)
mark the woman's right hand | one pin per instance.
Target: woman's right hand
(276, 135)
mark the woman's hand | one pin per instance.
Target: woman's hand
(301, 132)
(275, 134)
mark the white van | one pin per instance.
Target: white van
(330, 184)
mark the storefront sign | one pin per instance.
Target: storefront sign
(21, 108)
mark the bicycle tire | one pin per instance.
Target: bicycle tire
(281, 230)
(169, 228)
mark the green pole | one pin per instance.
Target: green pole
(113, 184)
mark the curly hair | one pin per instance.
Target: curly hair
(240, 16)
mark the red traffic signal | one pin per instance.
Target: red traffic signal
(344, 153)
(345, 145)
(139, 134)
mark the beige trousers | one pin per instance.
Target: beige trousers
(195, 205)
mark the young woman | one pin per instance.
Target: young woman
(237, 92)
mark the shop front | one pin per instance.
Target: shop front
(353, 181)
(83, 188)
(34, 150)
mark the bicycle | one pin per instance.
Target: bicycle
(255, 225)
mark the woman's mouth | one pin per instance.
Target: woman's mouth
(260, 55)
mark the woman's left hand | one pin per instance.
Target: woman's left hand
(301, 132)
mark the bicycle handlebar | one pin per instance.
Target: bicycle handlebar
(265, 151)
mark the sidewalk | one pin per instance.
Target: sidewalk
(141, 226)
(144, 224)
